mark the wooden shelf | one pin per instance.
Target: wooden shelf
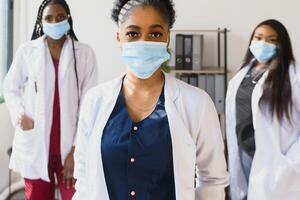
(200, 31)
(204, 70)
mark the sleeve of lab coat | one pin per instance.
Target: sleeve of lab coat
(90, 79)
(13, 85)
(91, 76)
(293, 155)
(286, 168)
(212, 175)
(80, 155)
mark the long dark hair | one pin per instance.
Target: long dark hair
(38, 28)
(277, 92)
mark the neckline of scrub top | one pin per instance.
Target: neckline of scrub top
(160, 102)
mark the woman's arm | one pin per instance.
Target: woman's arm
(13, 85)
(80, 155)
(89, 80)
(292, 155)
(212, 175)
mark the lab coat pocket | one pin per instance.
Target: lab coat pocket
(24, 143)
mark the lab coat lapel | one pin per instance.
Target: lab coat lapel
(66, 59)
(107, 105)
(258, 114)
(184, 149)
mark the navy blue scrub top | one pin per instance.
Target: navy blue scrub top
(137, 157)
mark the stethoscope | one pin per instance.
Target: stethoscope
(257, 76)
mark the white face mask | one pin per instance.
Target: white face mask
(262, 51)
(56, 30)
(144, 58)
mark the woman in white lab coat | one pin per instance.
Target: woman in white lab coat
(43, 90)
(263, 119)
(147, 135)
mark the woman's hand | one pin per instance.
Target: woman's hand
(68, 170)
(25, 122)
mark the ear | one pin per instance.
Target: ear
(118, 39)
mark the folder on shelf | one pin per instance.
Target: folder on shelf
(179, 49)
(193, 80)
(198, 43)
(202, 82)
(220, 93)
(210, 86)
(188, 52)
(184, 78)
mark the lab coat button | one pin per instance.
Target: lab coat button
(132, 193)
(132, 160)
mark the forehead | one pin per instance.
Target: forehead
(266, 30)
(54, 9)
(144, 16)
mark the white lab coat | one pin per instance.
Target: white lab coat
(29, 88)
(195, 133)
(275, 172)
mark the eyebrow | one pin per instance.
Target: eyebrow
(152, 26)
(157, 26)
(133, 27)
(59, 14)
(260, 34)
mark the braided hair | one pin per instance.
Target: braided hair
(164, 7)
(38, 31)
(38, 28)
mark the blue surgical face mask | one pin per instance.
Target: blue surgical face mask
(262, 51)
(56, 30)
(144, 58)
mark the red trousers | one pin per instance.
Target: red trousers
(42, 190)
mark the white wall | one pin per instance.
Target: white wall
(94, 26)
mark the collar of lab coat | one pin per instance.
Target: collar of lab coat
(40, 42)
(66, 57)
(171, 88)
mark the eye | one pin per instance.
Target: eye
(274, 41)
(257, 38)
(48, 18)
(61, 18)
(132, 35)
(155, 35)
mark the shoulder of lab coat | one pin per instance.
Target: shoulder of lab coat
(200, 117)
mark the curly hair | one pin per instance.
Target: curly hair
(164, 7)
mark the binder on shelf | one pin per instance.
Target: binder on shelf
(179, 51)
(184, 78)
(193, 80)
(219, 93)
(198, 43)
(202, 82)
(188, 52)
(210, 86)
